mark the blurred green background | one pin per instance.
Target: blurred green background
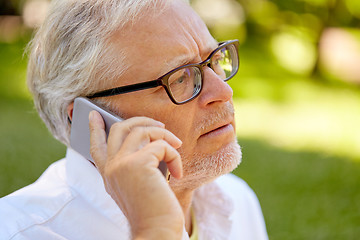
(297, 99)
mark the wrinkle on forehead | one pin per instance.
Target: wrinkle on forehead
(168, 40)
(194, 42)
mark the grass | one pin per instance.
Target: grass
(26, 147)
(286, 124)
(304, 195)
(13, 70)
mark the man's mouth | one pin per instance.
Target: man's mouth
(218, 123)
(217, 130)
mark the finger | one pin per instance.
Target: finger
(98, 146)
(119, 131)
(162, 151)
(141, 136)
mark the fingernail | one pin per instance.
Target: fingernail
(180, 142)
(161, 124)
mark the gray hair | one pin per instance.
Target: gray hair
(70, 55)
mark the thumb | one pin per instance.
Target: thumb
(98, 146)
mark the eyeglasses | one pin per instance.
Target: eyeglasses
(185, 83)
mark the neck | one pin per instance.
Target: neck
(185, 199)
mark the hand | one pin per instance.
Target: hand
(128, 163)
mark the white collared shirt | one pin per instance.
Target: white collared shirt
(69, 201)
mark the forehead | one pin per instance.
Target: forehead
(172, 38)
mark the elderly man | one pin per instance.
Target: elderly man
(154, 63)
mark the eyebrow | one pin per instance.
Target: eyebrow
(185, 59)
(177, 62)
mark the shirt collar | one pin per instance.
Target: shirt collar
(213, 211)
(84, 178)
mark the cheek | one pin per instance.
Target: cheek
(136, 104)
(177, 119)
(179, 122)
(182, 125)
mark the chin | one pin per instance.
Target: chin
(199, 169)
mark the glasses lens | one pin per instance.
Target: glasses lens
(225, 62)
(185, 83)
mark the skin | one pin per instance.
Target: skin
(128, 161)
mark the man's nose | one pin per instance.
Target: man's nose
(214, 88)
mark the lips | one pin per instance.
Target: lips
(218, 128)
(219, 122)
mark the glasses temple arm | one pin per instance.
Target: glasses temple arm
(126, 89)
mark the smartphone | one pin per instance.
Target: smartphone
(80, 132)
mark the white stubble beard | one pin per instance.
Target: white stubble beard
(200, 169)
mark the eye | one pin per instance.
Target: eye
(217, 58)
(180, 77)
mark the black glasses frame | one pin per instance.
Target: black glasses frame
(163, 80)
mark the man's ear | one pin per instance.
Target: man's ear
(70, 109)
